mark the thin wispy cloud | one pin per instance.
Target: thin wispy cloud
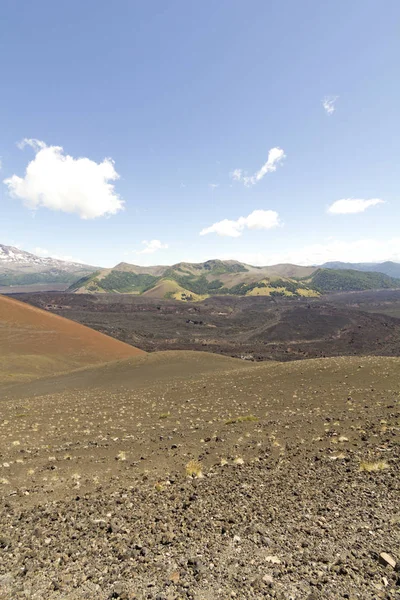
(35, 144)
(275, 156)
(329, 104)
(258, 219)
(152, 246)
(352, 206)
(59, 182)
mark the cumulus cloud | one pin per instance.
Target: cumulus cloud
(152, 246)
(258, 219)
(57, 181)
(275, 156)
(329, 104)
(362, 250)
(352, 206)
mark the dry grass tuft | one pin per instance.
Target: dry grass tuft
(370, 467)
(194, 469)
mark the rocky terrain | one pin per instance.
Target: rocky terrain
(190, 475)
(385, 302)
(257, 328)
(186, 475)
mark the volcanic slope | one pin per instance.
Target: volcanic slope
(183, 475)
(35, 343)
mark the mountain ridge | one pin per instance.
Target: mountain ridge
(197, 281)
(18, 267)
(194, 281)
(388, 267)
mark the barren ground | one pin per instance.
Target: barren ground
(97, 502)
(263, 328)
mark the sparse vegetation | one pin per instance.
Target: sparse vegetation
(194, 469)
(371, 467)
(242, 419)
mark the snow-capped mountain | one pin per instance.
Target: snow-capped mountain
(18, 261)
(20, 268)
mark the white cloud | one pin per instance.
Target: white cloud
(351, 206)
(213, 186)
(363, 250)
(258, 219)
(329, 104)
(35, 144)
(152, 246)
(60, 182)
(275, 155)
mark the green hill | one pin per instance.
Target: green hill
(337, 280)
(196, 281)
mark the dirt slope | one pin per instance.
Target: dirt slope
(35, 343)
(131, 373)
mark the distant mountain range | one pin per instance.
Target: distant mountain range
(18, 267)
(388, 268)
(196, 281)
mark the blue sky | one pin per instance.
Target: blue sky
(183, 102)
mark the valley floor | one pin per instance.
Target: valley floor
(258, 328)
(96, 501)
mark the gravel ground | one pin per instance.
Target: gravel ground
(282, 507)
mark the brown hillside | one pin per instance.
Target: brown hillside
(34, 343)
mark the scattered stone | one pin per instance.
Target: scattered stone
(386, 560)
(273, 560)
(174, 577)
